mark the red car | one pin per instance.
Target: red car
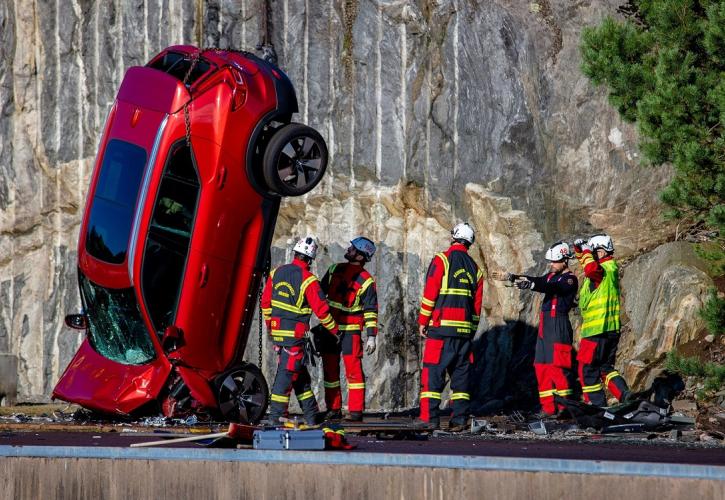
(197, 150)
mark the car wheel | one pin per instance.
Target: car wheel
(242, 394)
(295, 160)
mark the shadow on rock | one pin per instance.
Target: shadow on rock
(503, 377)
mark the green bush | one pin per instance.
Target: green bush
(713, 374)
(713, 312)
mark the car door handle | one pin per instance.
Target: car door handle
(203, 275)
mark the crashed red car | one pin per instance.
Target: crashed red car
(197, 151)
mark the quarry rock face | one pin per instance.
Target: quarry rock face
(433, 111)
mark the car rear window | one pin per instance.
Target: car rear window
(116, 330)
(177, 65)
(114, 201)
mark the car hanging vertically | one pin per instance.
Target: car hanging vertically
(197, 151)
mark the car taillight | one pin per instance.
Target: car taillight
(239, 91)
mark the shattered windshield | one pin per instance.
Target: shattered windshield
(116, 330)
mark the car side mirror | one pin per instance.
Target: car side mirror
(173, 338)
(77, 321)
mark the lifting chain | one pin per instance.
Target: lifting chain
(261, 318)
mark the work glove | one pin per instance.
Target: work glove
(580, 245)
(524, 284)
(370, 345)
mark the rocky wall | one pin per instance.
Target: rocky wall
(434, 112)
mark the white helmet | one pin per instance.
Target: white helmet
(463, 231)
(558, 251)
(364, 246)
(307, 246)
(602, 241)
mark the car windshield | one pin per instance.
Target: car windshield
(115, 328)
(114, 201)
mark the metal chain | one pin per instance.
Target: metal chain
(261, 318)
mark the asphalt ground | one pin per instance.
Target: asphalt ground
(596, 448)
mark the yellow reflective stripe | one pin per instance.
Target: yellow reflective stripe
(592, 388)
(450, 322)
(276, 398)
(610, 376)
(425, 312)
(594, 322)
(339, 306)
(331, 385)
(356, 386)
(349, 328)
(327, 318)
(370, 314)
(283, 333)
(366, 284)
(564, 392)
(427, 302)
(460, 395)
(456, 291)
(479, 275)
(429, 394)
(371, 324)
(546, 394)
(476, 318)
(291, 308)
(305, 395)
(303, 288)
(444, 281)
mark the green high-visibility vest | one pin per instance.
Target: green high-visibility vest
(600, 308)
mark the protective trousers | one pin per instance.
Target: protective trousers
(440, 355)
(352, 352)
(553, 361)
(596, 358)
(292, 373)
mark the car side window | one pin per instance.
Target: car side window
(169, 236)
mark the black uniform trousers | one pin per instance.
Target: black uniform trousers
(441, 355)
(292, 374)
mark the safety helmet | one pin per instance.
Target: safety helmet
(602, 241)
(307, 246)
(558, 252)
(364, 246)
(463, 231)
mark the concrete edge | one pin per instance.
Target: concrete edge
(376, 460)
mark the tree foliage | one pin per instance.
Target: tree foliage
(664, 68)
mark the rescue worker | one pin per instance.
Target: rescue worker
(291, 295)
(353, 300)
(599, 305)
(449, 314)
(553, 358)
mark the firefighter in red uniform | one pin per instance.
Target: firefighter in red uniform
(353, 302)
(553, 360)
(449, 315)
(291, 295)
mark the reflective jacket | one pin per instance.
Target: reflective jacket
(599, 295)
(451, 303)
(353, 298)
(291, 295)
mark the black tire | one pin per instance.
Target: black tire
(295, 160)
(242, 394)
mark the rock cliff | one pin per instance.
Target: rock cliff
(434, 112)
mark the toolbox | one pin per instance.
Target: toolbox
(288, 439)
